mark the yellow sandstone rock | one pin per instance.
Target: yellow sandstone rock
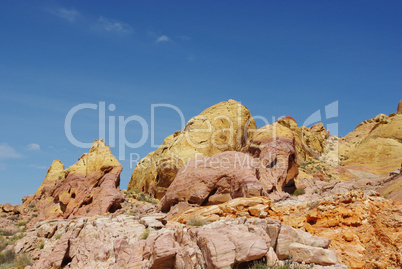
(222, 127)
(375, 145)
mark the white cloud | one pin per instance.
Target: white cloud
(33, 146)
(109, 25)
(7, 152)
(163, 38)
(69, 15)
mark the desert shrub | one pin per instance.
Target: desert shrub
(40, 245)
(144, 234)
(22, 223)
(58, 236)
(194, 221)
(259, 265)
(3, 244)
(17, 237)
(7, 256)
(146, 198)
(34, 215)
(23, 260)
(6, 232)
(13, 218)
(298, 192)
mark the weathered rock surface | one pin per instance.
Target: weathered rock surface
(219, 128)
(273, 145)
(365, 230)
(214, 180)
(89, 187)
(375, 145)
(289, 235)
(119, 242)
(240, 207)
(391, 187)
(7, 208)
(309, 254)
(309, 141)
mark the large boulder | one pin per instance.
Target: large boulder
(87, 188)
(214, 180)
(274, 146)
(219, 128)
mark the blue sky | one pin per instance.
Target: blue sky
(276, 57)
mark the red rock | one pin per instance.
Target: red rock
(274, 146)
(214, 180)
(89, 187)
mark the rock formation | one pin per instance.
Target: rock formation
(309, 142)
(87, 188)
(374, 145)
(365, 230)
(122, 242)
(273, 145)
(391, 187)
(214, 180)
(399, 109)
(222, 127)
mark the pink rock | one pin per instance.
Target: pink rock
(309, 254)
(164, 251)
(214, 180)
(217, 249)
(289, 235)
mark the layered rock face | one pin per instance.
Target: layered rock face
(365, 229)
(375, 145)
(102, 242)
(273, 146)
(222, 127)
(87, 188)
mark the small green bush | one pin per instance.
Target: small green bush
(298, 192)
(7, 256)
(22, 223)
(58, 236)
(41, 245)
(144, 234)
(194, 221)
